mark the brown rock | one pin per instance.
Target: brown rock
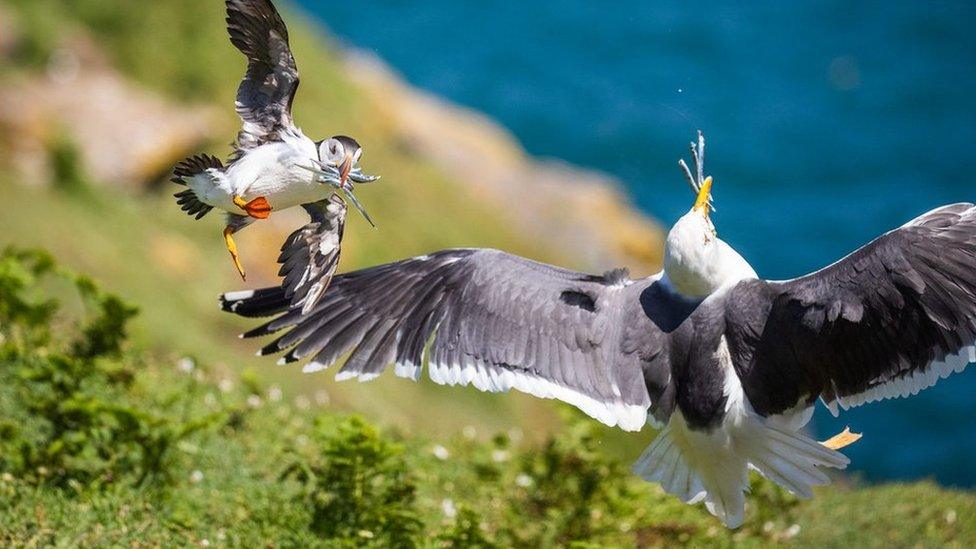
(125, 134)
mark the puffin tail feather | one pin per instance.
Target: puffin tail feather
(193, 174)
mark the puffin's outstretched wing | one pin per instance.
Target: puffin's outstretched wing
(481, 317)
(265, 96)
(887, 321)
(310, 255)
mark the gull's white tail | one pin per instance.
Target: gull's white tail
(713, 466)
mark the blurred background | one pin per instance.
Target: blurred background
(548, 130)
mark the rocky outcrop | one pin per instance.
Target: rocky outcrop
(125, 135)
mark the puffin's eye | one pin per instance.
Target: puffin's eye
(331, 151)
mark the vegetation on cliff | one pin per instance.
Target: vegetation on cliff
(102, 444)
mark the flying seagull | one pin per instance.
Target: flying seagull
(274, 166)
(729, 366)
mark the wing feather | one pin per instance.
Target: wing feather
(266, 94)
(889, 320)
(482, 317)
(310, 255)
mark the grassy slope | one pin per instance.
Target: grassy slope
(227, 484)
(189, 59)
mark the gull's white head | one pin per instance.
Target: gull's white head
(693, 254)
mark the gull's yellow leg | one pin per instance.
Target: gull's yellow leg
(232, 248)
(842, 439)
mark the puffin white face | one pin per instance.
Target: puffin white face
(337, 165)
(331, 151)
(341, 152)
(692, 253)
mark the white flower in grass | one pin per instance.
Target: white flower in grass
(322, 397)
(440, 452)
(499, 456)
(447, 505)
(523, 480)
(225, 385)
(792, 531)
(274, 393)
(196, 477)
(254, 401)
(302, 402)
(469, 432)
(186, 365)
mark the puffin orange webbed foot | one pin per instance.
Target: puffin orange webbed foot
(232, 248)
(259, 208)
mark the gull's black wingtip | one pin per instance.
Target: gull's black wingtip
(255, 303)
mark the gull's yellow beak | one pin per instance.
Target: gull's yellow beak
(701, 203)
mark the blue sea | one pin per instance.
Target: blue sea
(827, 124)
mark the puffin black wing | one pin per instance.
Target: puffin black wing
(310, 255)
(887, 321)
(265, 96)
(480, 317)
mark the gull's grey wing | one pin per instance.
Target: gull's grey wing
(481, 317)
(265, 96)
(889, 320)
(310, 255)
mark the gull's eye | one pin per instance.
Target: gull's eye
(331, 151)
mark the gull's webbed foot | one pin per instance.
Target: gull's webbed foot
(259, 208)
(842, 439)
(232, 248)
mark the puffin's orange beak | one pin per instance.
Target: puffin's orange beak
(344, 169)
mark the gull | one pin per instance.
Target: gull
(727, 365)
(274, 166)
